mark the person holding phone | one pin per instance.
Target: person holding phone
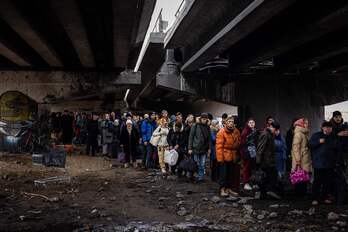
(323, 149)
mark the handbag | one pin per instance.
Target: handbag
(188, 165)
(299, 176)
(258, 177)
(121, 156)
(251, 151)
(171, 157)
(155, 139)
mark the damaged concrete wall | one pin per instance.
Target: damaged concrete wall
(283, 99)
(36, 85)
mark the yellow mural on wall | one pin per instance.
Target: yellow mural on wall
(15, 107)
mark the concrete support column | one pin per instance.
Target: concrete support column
(284, 99)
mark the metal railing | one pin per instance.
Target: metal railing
(181, 8)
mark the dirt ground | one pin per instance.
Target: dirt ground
(103, 196)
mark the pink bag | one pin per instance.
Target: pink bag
(299, 176)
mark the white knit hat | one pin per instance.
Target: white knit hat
(129, 122)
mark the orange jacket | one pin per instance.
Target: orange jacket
(227, 145)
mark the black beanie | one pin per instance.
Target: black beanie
(336, 113)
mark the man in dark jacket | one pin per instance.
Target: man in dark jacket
(340, 131)
(266, 160)
(199, 144)
(323, 149)
(92, 135)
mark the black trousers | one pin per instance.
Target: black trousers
(214, 170)
(229, 173)
(322, 183)
(92, 143)
(175, 168)
(270, 181)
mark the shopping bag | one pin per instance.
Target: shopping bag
(299, 176)
(171, 157)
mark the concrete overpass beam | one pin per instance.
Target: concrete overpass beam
(253, 16)
(12, 56)
(10, 14)
(71, 20)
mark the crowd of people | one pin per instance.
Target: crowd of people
(261, 158)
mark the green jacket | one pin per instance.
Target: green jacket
(199, 138)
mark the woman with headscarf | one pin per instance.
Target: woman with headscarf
(129, 140)
(301, 157)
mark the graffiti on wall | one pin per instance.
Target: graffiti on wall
(17, 114)
(16, 107)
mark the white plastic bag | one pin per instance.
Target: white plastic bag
(171, 157)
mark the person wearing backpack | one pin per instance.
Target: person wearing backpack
(199, 144)
(248, 151)
(227, 146)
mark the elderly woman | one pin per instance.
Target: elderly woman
(227, 145)
(129, 139)
(301, 157)
(161, 133)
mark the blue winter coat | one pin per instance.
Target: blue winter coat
(280, 151)
(147, 128)
(213, 144)
(323, 155)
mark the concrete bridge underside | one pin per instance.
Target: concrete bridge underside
(70, 50)
(283, 58)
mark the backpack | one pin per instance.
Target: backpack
(251, 144)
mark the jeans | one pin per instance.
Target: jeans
(214, 166)
(200, 160)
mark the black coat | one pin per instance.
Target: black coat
(177, 138)
(323, 155)
(265, 151)
(129, 141)
(67, 125)
(92, 129)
